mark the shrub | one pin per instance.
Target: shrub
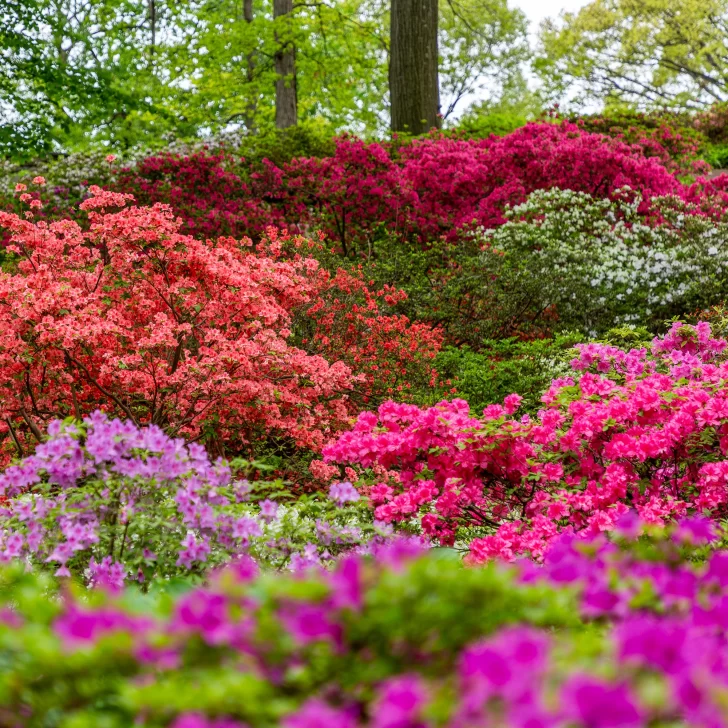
(643, 429)
(598, 264)
(466, 182)
(713, 123)
(210, 190)
(410, 213)
(443, 186)
(501, 367)
(133, 317)
(399, 640)
(674, 139)
(105, 501)
(420, 190)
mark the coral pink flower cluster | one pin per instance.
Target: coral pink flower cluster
(644, 429)
(133, 317)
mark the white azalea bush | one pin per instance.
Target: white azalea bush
(601, 263)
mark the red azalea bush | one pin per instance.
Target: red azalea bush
(212, 191)
(133, 317)
(356, 195)
(364, 192)
(393, 355)
(639, 429)
(675, 139)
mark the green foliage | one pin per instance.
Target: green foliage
(81, 74)
(716, 155)
(504, 367)
(119, 75)
(483, 47)
(638, 52)
(471, 295)
(483, 124)
(419, 614)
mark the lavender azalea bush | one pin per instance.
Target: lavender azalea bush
(107, 501)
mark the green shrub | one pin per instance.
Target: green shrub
(500, 368)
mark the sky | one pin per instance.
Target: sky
(537, 10)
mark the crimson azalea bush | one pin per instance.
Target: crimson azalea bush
(362, 192)
(398, 639)
(676, 139)
(106, 501)
(441, 185)
(643, 429)
(198, 337)
(210, 189)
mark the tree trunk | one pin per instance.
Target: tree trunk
(285, 66)
(252, 105)
(413, 83)
(152, 10)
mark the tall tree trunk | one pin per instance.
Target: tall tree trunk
(413, 83)
(152, 10)
(285, 66)
(252, 105)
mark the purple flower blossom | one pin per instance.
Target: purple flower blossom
(696, 530)
(342, 493)
(268, 510)
(197, 720)
(399, 702)
(194, 550)
(107, 574)
(594, 703)
(309, 623)
(317, 714)
(246, 528)
(206, 613)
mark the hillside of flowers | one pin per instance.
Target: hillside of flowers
(429, 432)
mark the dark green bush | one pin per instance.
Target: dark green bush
(503, 367)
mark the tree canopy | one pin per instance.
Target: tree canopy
(116, 73)
(669, 53)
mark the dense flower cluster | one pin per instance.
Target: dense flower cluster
(599, 264)
(365, 191)
(431, 187)
(403, 639)
(107, 501)
(675, 139)
(639, 429)
(133, 317)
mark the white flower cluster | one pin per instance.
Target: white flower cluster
(600, 263)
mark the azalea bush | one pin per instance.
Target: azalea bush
(599, 264)
(442, 186)
(108, 502)
(399, 638)
(643, 429)
(676, 140)
(198, 337)
(356, 190)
